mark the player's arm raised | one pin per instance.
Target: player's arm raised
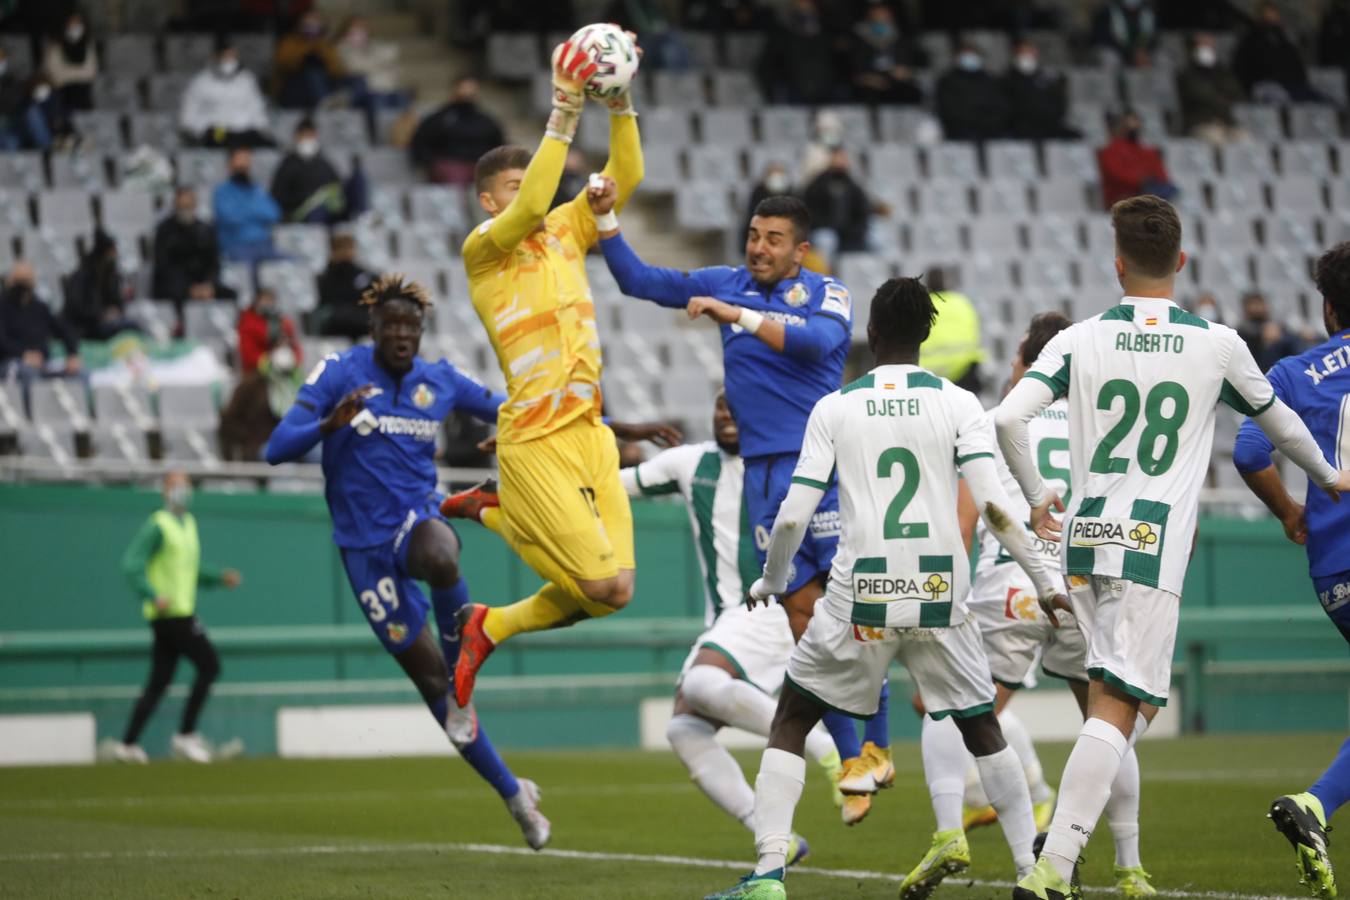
(625, 163)
(1044, 383)
(670, 288)
(975, 456)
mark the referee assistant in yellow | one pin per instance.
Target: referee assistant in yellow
(562, 507)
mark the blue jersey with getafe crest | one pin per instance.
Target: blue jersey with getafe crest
(384, 463)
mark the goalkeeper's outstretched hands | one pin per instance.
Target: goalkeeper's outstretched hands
(571, 67)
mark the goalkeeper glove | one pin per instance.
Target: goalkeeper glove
(571, 67)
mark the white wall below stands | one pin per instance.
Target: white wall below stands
(314, 732)
(57, 739)
(1050, 715)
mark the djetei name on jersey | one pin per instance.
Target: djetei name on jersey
(1138, 342)
(1140, 537)
(908, 406)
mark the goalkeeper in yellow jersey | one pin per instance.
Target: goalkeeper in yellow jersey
(563, 508)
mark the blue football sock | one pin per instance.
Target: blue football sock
(845, 734)
(479, 752)
(1333, 788)
(878, 728)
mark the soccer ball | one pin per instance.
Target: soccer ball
(615, 56)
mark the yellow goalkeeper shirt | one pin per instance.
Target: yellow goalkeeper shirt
(528, 285)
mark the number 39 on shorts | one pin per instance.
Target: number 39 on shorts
(374, 602)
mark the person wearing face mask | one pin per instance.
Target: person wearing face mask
(372, 79)
(244, 212)
(70, 60)
(971, 103)
(306, 185)
(307, 67)
(163, 567)
(269, 360)
(1269, 63)
(1130, 167)
(96, 293)
(187, 257)
(1208, 93)
(450, 140)
(28, 327)
(223, 105)
(1270, 341)
(1038, 99)
(884, 63)
(1206, 306)
(841, 212)
(797, 64)
(1126, 30)
(44, 123)
(775, 182)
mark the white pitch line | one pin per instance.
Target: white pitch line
(503, 850)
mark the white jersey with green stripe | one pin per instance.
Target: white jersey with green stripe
(1142, 381)
(1049, 433)
(711, 481)
(894, 439)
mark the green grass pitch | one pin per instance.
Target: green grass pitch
(406, 828)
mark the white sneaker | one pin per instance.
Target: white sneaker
(190, 747)
(116, 751)
(524, 808)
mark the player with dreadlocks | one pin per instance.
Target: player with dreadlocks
(377, 409)
(894, 439)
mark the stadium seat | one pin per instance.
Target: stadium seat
(239, 277)
(187, 52)
(1297, 233)
(1246, 159)
(1011, 159)
(1189, 157)
(1310, 158)
(725, 126)
(113, 90)
(153, 129)
(995, 46)
(1297, 193)
(14, 209)
(188, 422)
(426, 242)
(1090, 122)
(938, 47)
(1230, 233)
(256, 52)
(129, 54)
(164, 91)
(943, 197)
(388, 205)
(1003, 197)
(662, 167)
(130, 212)
(704, 206)
(1052, 233)
(1071, 159)
(213, 322)
(1093, 85)
(65, 211)
(513, 56)
(954, 159)
(994, 236)
(292, 282)
(200, 167)
(1222, 274)
(856, 122)
(17, 51)
(659, 125)
(1283, 275)
(1234, 196)
(443, 205)
(157, 317)
(85, 170)
(734, 88)
(307, 243)
(387, 165)
(741, 49)
(1152, 86)
(784, 126)
(893, 162)
(714, 163)
(1047, 275)
(906, 124)
(863, 273)
(936, 238)
(1262, 121)
(265, 163)
(1314, 121)
(100, 128)
(702, 48)
(1062, 196)
(683, 90)
(345, 128)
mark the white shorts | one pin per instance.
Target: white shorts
(842, 666)
(1131, 631)
(757, 641)
(1014, 627)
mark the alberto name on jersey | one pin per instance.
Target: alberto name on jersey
(895, 438)
(384, 462)
(1142, 381)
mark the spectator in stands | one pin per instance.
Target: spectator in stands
(1269, 64)
(1038, 100)
(223, 106)
(827, 135)
(1206, 306)
(840, 211)
(1126, 29)
(971, 103)
(953, 348)
(662, 46)
(14, 105)
(71, 62)
(773, 183)
(269, 361)
(306, 185)
(1130, 167)
(1268, 340)
(371, 67)
(1333, 38)
(884, 62)
(96, 293)
(187, 257)
(1208, 93)
(28, 327)
(449, 140)
(46, 122)
(340, 285)
(797, 64)
(307, 67)
(244, 212)
(262, 331)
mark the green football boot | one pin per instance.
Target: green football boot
(1299, 817)
(949, 855)
(768, 886)
(1045, 883)
(1132, 881)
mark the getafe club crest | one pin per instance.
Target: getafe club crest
(398, 632)
(423, 397)
(797, 295)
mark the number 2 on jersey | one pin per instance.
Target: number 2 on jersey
(909, 486)
(1157, 424)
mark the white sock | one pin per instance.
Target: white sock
(819, 744)
(717, 694)
(1006, 786)
(1141, 724)
(976, 798)
(711, 767)
(1122, 811)
(1084, 789)
(1015, 733)
(777, 790)
(944, 768)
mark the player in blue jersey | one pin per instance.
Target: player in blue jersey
(786, 332)
(1316, 385)
(377, 410)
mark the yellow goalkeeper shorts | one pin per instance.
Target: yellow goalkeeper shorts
(562, 493)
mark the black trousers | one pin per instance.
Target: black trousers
(174, 638)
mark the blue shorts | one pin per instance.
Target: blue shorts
(394, 604)
(767, 479)
(1333, 591)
